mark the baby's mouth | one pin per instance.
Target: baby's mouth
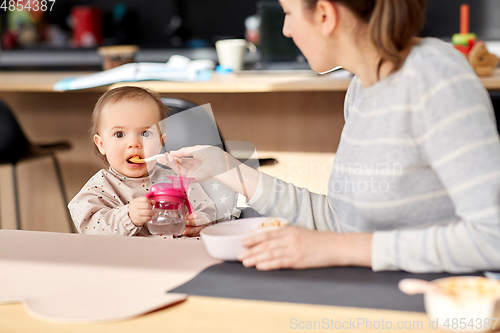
(135, 159)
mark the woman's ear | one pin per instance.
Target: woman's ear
(99, 144)
(327, 16)
(163, 138)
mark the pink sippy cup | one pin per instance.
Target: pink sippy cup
(169, 216)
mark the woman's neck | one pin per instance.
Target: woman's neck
(365, 62)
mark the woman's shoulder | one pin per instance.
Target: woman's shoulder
(434, 56)
(430, 46)
(433, 65)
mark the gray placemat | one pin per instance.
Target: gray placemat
(339, 286)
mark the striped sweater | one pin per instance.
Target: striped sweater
(418, 165)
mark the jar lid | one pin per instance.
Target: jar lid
(117, 49)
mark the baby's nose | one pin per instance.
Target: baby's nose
(135, 143)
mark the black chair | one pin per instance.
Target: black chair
(495, 100)
(15, 148)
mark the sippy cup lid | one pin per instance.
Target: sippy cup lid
(175, 191)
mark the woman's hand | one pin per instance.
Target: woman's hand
(289, 247)
(198, 162)
(299, 248)
(206, 162)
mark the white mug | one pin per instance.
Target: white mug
(231, 52)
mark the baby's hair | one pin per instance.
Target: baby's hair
(391, 23)
(126, 93)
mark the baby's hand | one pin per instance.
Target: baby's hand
(192, 230)
(140, 211)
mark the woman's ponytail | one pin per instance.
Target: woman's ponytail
(392, 25)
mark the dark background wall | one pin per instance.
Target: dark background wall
(443, 18)
(208, 20)
(149, 20)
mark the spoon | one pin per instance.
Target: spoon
(418, 286)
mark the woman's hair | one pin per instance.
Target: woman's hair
(127, 93)
(391, 23)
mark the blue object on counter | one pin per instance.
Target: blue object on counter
(221, 70)
(492, 275)
(204, 75)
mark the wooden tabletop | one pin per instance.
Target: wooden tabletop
(492, 82)
(251, 83)
(209, 314)
(37, 81)
(44, 82)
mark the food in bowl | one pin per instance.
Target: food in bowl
(471, 287)
(224, 240)
(465, 304)
(272, 223)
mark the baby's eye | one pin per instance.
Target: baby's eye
(119, 134)
(146, 134)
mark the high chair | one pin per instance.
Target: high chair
(15, 147)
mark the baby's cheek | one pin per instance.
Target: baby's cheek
(152, 146)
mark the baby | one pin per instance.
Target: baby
(125, 124)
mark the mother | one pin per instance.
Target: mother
(414, 108)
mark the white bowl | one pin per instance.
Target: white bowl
(223, 240)
(469, 304)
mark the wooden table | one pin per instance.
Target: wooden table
(250, 83)
(492, 82)
(57, 269)
(208, 314)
